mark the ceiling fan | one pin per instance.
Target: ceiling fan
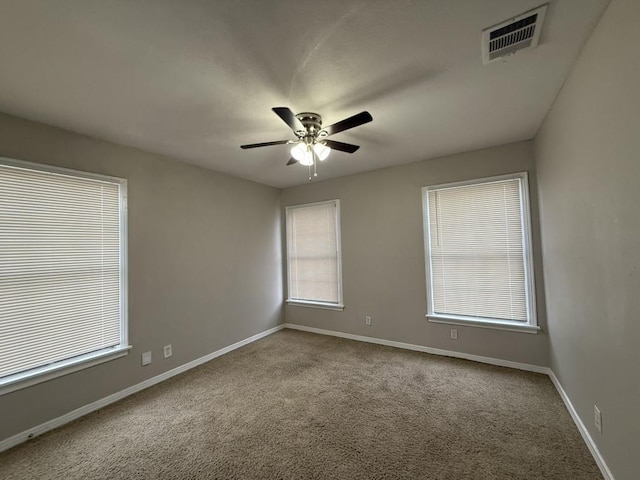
(311, 142)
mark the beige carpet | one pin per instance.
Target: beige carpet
(301, 406)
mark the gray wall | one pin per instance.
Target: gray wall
(588, 165)
(204, 264)
(383, 254)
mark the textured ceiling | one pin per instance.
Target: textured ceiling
(195, 79)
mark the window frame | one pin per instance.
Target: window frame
(312, 303)
(531, 326)
(44, 373)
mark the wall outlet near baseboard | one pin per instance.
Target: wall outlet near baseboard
(454, 334)
(597, 418)
(367, 320)
(168, 351)
(146, 358)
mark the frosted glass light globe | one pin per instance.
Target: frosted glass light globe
(298, 151)
(308, 159)
(322, 151)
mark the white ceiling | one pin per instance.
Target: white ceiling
(195, 79)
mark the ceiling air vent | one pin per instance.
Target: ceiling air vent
(515, 34)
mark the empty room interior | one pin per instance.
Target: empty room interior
(347, 239)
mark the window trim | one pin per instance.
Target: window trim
(34, 376)
(44, 373)
(315, 303)
(322, 305)
(531, 326)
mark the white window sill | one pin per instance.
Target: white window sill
(494, 324)
(325, 306)
(58, 369)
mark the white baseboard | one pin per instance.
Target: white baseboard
(477, 358)
(420, 348)
(606, 473)
(103, 402)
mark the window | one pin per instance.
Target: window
(478, 255)
(62, 272)
(313, 255)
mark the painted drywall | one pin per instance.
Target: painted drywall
(588, 171)
(383, 254)
(204, 264)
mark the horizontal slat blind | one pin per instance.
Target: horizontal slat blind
(313, 253)
(477, 258)
(60, 278)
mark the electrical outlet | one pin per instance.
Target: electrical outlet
(597, 418)
(146, 358)
(367, 320)
(454, 334)
(168, 351)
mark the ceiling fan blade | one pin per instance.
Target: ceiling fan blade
(265, 144)
(289, 118)
(341, 146)
(351, 122)
(292, 161)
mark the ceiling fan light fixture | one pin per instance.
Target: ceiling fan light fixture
(307, 160)
(322, 151)
(303, 154)
(298, 151)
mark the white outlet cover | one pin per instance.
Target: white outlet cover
(454, 334)
(597, 418)
(168, 351)
(146, 358)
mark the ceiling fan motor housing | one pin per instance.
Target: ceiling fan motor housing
(312, 123)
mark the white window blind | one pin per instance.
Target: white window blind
(61, 275)
(477, 250)
(313, 253)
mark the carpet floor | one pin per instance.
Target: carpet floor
(296, 405)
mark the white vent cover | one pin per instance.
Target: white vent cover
(515, 34)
